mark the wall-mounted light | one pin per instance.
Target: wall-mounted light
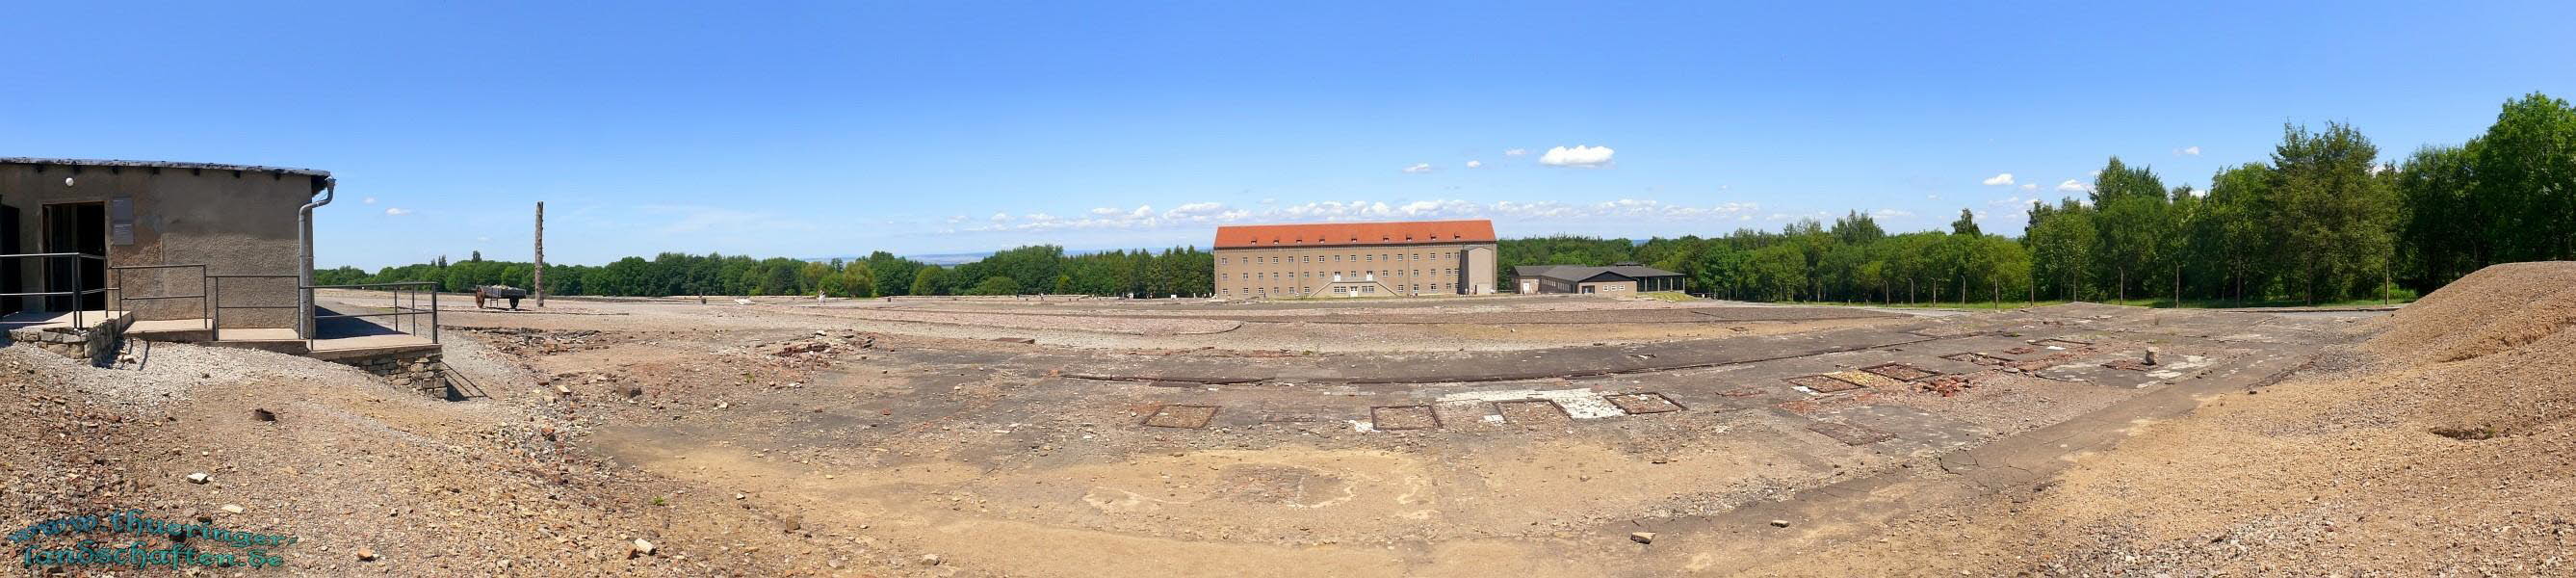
(67, 181)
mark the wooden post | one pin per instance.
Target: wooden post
(540, 280)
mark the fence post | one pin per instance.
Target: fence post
(77, 295)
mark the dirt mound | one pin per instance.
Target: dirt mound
(2495, 309)
(2441, 446)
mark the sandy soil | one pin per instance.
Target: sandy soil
(2443, 446)
(785, 438)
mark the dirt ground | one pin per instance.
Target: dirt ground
(1549, 436)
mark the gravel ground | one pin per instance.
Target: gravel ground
(2441, 447)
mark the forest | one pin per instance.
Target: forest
(2322, 220)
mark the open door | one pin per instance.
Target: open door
(76, 228)
(10, 278)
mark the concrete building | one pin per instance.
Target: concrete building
(1355, 259)
(100, 250)
(1624, 278)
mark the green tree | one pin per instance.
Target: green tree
(1776, 272)
(1966, 225)
(2061, 241)
(2336, 217)
(2131, 226)
(2525, 167)
(925, 281)
(2442, 233)
(2242, 242)
(995, 285)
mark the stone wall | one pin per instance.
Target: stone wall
(417, 370)
(96, 344)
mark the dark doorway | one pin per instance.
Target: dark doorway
(76, 228)
(10, 282)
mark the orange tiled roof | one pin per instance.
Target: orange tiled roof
(1332, 234)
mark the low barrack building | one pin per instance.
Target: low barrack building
(1626, 278)
(93, 251)
(1355, 259)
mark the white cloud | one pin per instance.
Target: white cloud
(2030, 186)
(2073, 186)
(1000, 217)
(397, 212)
(1475, 164)
(483, 239)
(368, 200)
(2016, 206)
(955, 219)
(1890, 213)
(1418, 168)
(1194, 210)
(1579, 156)
(2189, 151)
(1998, 180)
(1933, 197)
(1515, 152)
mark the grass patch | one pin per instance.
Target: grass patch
(1668, 295)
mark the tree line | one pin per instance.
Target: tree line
(1024, 270)
(2321, 219)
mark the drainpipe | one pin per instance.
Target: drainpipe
(304, 259)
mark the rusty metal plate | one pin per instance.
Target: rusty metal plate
(1850, 434)
(1866, 379)
(1901, 371)
(1181, 416)
(1976, 358)
(1532, 411)
(1742, 392)
(1404, 417)
(1822, 384)
(1643, 403)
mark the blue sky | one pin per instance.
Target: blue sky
(936, 127)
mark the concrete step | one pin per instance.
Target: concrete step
(170, 330)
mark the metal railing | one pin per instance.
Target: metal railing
(402, 310)
(78, 290)
(205, 290)
(215, 303)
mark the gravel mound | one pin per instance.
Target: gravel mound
(2498, 308)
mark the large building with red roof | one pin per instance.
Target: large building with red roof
(1355, 259)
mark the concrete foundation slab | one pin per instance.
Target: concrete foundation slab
(1643, 403)
(1182, 416)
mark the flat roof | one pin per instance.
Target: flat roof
(1580, 273)
(162, 165)
(1342, 234)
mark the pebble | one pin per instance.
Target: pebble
(1779, 523)
(1642, 537)
(639, 548)
(200, 478)
(232, 508)
(930, 559)
(366, 554)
